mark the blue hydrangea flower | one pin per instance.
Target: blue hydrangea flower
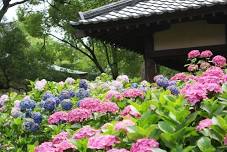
(37, 117)
(49, 104)
(66, 94)
(27, 104)
(47, 95)
(134, 85)
(162, 82)
(28, 113)
(83, 84)
(82, 93)
(174, 90)
(30, 125)
(66, 104)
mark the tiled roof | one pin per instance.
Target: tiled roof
(127, 9)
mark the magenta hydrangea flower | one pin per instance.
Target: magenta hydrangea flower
(118, 150)
(58, 117)
(123, 125)
(91, 104)
(225, 78)
(193, 67)
(193, 54)
(79, 115)
(133, 93)
(194, 92)
(206, 123)
(60, 137)
(115, 95)
(102, 142)
(130, 111)
(219, 61)
(206, 54)
(85, 132)
(144, 145)
(108, 107)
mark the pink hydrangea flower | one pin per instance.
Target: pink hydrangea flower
(63, 146)
(225, 78)
(219, 61)
(102, 142)
(70, 80)
(79, 115)
(60, 137)
(194, 92)
(214, 71)
(225, 140)
(118, 150)
(40, 85)
(45, 147)
(112, 94)
(85, 132)
(193, 54)
(144, 145)
(57, 117)
(130, 111)
(123, 125)
(181, 77)
(213, 87)
(206, 54)
(204, 65)
(92, 104)
(108, 107)
(123, 78)
(206, 123)
(193, 67)
(133, 93)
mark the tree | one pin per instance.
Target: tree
(5, 5)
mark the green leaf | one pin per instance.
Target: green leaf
(158, 150)
(204, 145)
(224, 87)
(166, 127)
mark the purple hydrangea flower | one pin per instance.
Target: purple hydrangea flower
(30, 125)
(66, 104)
(174, 90)
(37, 117)
(27, 104)
(83, 84)
(66, 94)
(82, 93)
(162, 82)
(49, 104)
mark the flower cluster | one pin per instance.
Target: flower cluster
(130, 111)
(206, 123)
(133, 93)
(123, 125)
(70, 80)
(40, 85)
(85, 132)
(102, 142)
(60, 143)
(202, 60)
(123, 78)
(58, 117)
(144, 145)
(3, 99)
(79, 115)
(114, 95)
(168, 84)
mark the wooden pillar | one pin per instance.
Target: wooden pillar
(151, 68)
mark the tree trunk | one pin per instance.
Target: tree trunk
(4, 9)
(114, 69)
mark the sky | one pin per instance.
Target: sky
(11, 15)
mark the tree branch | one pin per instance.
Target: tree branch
(70, 44)
(17, 3)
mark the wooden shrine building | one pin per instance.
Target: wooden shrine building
(162, 30)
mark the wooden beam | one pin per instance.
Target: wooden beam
(151, 67)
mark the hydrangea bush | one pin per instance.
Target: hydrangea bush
(184, 113)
